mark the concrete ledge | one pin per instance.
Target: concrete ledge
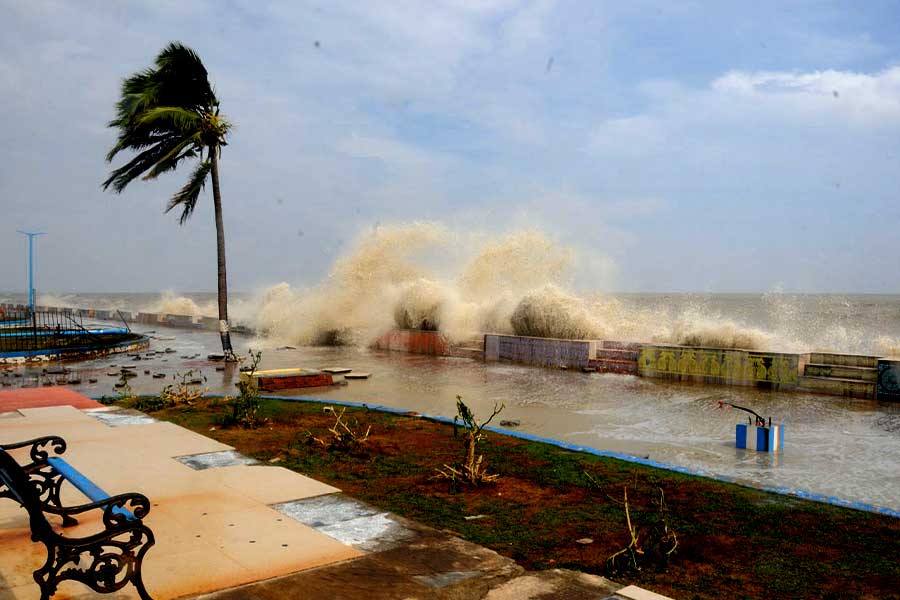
(844, 360)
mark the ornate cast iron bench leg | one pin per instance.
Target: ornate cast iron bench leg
(45, 478)
(105, 562)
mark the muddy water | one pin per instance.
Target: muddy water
(847, 448)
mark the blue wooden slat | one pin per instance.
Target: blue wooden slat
(85, 485)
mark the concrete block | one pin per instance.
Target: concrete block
(286, 379)
(414, 341)
(889, 380)
(179, 320)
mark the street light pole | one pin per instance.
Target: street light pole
(31, 235)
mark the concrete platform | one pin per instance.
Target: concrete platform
(214, 528)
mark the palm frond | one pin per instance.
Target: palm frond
(166, 113)
(166, 118)
(183, 80)
(121, 177)
(187, 196)
(184, 149)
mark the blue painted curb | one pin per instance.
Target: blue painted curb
(781, 490)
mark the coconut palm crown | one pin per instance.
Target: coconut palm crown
(166, 114)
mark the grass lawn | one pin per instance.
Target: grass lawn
(733, 542)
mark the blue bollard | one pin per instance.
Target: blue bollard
(761, 439)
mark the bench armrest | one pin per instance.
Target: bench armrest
(40, 447)
(118, 510)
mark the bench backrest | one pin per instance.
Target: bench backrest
(14, 477)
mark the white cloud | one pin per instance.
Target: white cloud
(442, 110)
(866, 98)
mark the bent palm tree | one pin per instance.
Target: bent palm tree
(169, 113)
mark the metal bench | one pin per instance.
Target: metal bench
(113, 555)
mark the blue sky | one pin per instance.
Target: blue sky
(691, 146)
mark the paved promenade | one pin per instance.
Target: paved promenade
(228, 529)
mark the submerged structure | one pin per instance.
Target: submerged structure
(28, 335)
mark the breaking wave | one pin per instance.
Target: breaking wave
(517, 283)
(172, 304)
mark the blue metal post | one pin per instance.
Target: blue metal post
(31, 236)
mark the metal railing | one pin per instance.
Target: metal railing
(23, 330)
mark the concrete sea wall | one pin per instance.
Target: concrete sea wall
(771, 370)
(834, 374)
(144, 318)
(545, 352)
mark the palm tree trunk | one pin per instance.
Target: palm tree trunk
(220, 255)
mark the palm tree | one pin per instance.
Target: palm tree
(166, 114)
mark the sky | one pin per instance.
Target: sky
(690, 146)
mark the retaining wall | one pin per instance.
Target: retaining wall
(772, 370)
(545, 352)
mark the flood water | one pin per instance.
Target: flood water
(843, 447)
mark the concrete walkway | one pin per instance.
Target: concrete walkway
(229, 529)
(214, 528)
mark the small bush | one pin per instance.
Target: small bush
(152, 403)
(652, 541)
(473, 470)
(345, 436)
(245, 408)
(184, 392)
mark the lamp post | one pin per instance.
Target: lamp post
(31, 235)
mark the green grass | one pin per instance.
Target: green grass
(733, 541)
